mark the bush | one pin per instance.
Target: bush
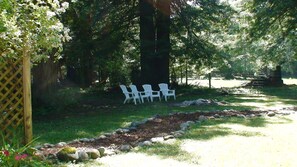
(14, 155)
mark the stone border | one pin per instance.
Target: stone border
(80, 154)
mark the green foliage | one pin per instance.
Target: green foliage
(273, 30)
(31, 28)
(197, 40)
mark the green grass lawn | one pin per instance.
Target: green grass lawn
(75, 113)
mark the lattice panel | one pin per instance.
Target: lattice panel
(11, 97)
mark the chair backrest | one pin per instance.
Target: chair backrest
(147, 89)
(124, 89)
(163, 86)
(134, 90)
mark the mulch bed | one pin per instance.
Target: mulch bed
(158, 127)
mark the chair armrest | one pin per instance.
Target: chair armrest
(156, 92)
(172, 91)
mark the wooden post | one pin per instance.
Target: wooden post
(27, 97)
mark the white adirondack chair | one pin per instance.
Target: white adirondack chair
(165, 91)
(137, 93)
(150, 92)
(129, 95)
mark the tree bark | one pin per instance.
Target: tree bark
(147, 40)
(163, 39)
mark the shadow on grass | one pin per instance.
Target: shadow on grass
(209, 130)
(169, 151)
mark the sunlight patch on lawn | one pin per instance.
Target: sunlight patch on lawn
(264, 98)
(141, 159)
(275, 145)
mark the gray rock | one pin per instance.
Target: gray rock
(125, 148)
(190, 122)
(93, 153)
(119, 131)
(108, 134)
(132, 129)
(168, 137)
(157, 139)
(217, 116)
(38, 147)
(61, 144)
(145, 143)
(178, 133)
(184, 126)
(84, 140)
(102, 137)
(241, 116)
(270, 114)
(109, 152)
(202, 118)
(82, 156)
(151, 119)
(48, 145)
(252, 115)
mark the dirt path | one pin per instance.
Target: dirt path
(274, 144)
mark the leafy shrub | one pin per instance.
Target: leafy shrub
(14, 155)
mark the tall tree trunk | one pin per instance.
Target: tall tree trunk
(147, 40)
(163, 40)
(154, 41)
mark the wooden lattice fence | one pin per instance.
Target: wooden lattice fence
(15, 98)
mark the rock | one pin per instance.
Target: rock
(109, 152)
(119, 131)
(125, 148)
(190, 122)
(252, 115)
(157, 120)
(270, 114)
(168, 137)
(202, 118)
(132, 129)
(108, 134)
(67, 154)
(241, 116)
(61, 144)
(93, 153)
(145, 143)
(102, 137)
(48, 145)
(217, 116)
(84, 140)
(38, 147)
(101, 151)
(82, 156)
(157, 139)
(184, 126)
(178, 133)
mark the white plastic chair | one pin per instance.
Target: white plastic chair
(137, 93)
(165, 91)
(129, 95)
(150, 92)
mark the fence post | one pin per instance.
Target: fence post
(27, 98)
